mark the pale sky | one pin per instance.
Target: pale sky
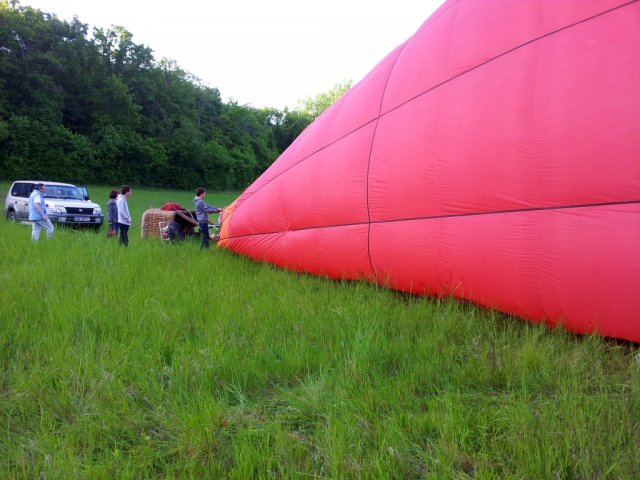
(263, 53)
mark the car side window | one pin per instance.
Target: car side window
(30, 187)
(22, 190)
(84, 192)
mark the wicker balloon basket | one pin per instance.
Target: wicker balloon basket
(155, 219)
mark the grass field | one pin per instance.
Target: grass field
(163, 360)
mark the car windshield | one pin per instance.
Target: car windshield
(63, 191)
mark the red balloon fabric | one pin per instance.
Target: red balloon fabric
(494, 156)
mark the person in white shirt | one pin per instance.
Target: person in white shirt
(124, 218)
(38, 213)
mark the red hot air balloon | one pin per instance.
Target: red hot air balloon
(494, 156)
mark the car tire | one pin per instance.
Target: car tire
(11, 215)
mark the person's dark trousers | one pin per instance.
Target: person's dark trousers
(124, 234)
(204, 230)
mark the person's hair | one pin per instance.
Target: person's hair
(113, 194)
(39, 186)
(125, 189)
(200, 191)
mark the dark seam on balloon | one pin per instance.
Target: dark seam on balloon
(373, 138)
(450, 215)
(538, 264)
(507, 52)
(309, 156)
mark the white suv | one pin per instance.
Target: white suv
(66, 204)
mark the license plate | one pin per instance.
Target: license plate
(82, 219)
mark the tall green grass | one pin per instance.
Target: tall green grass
(162, 360)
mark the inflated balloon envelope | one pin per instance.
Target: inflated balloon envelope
(494, 156)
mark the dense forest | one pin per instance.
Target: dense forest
(101, 109)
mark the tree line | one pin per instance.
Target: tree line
(103, 110)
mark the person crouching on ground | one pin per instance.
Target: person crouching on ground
(38, 213)
(112, 214)
(202, 211)
(124, 218)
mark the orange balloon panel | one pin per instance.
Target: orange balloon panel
(494, 156)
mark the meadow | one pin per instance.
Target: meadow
(164, 360)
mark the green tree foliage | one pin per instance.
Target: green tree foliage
(313, 106)
(287, 125)
(103, 110)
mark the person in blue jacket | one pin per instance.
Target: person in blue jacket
(112, 214)
(203, 210)
(38, 213)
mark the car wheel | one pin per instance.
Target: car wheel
(11, 215)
